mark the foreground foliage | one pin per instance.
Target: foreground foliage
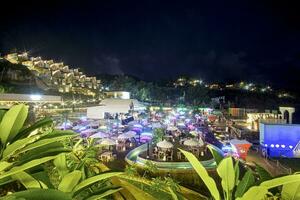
(247, 188)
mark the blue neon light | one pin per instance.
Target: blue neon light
(279, 139)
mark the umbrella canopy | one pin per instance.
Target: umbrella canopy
(108, 142)
(103, 127)
(100, 135)
(164, 144)
(193, 143)
(133, 123)
(146, 134)
(95, 123)
(157, 125)
(172, 128)
(90, 130)
(130, 133)
(124, 136)
(77, 127)
(138, 126)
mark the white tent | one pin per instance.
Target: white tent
(108, 142)
(164, 144)
(193, 143)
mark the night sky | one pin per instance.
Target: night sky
(212, 40)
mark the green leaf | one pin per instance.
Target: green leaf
(104, 194)
(26, 166)
(291, 191)
(40, 194)
(237, 172)
(247, 181)
(26, 131)
(94, 179)
(263, 174)
(56, 133)
(44, 142)
(2, 113)
(28, 181)
(255, 193)
(17, 145)
(43, 177)
(52, 149)
(4, 165)
(226, 171)
(69, 181)
(201, 171)
(61, 164)
(136, 192)
(217, 156)
(281, 181)
(12, 122)
(173, 194)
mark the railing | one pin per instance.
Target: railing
(285, 169)
(133, 158)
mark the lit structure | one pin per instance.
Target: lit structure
(280, 140)
(117, 94)
(253, 119)
(289, 111)
(113, 106)
(241, 147)
(28, 98)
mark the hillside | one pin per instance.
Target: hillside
(17, 78)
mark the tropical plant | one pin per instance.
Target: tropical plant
(158, 134)
(247, 188)
(23, 147)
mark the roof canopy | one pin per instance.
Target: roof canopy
(164, 144)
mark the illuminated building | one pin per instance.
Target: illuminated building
(57, 75)
(117, 94)
(280, 140)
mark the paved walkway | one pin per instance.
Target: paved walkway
(271, 167)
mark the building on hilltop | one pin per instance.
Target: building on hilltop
(57, 75)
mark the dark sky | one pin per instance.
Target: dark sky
(214, 40)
